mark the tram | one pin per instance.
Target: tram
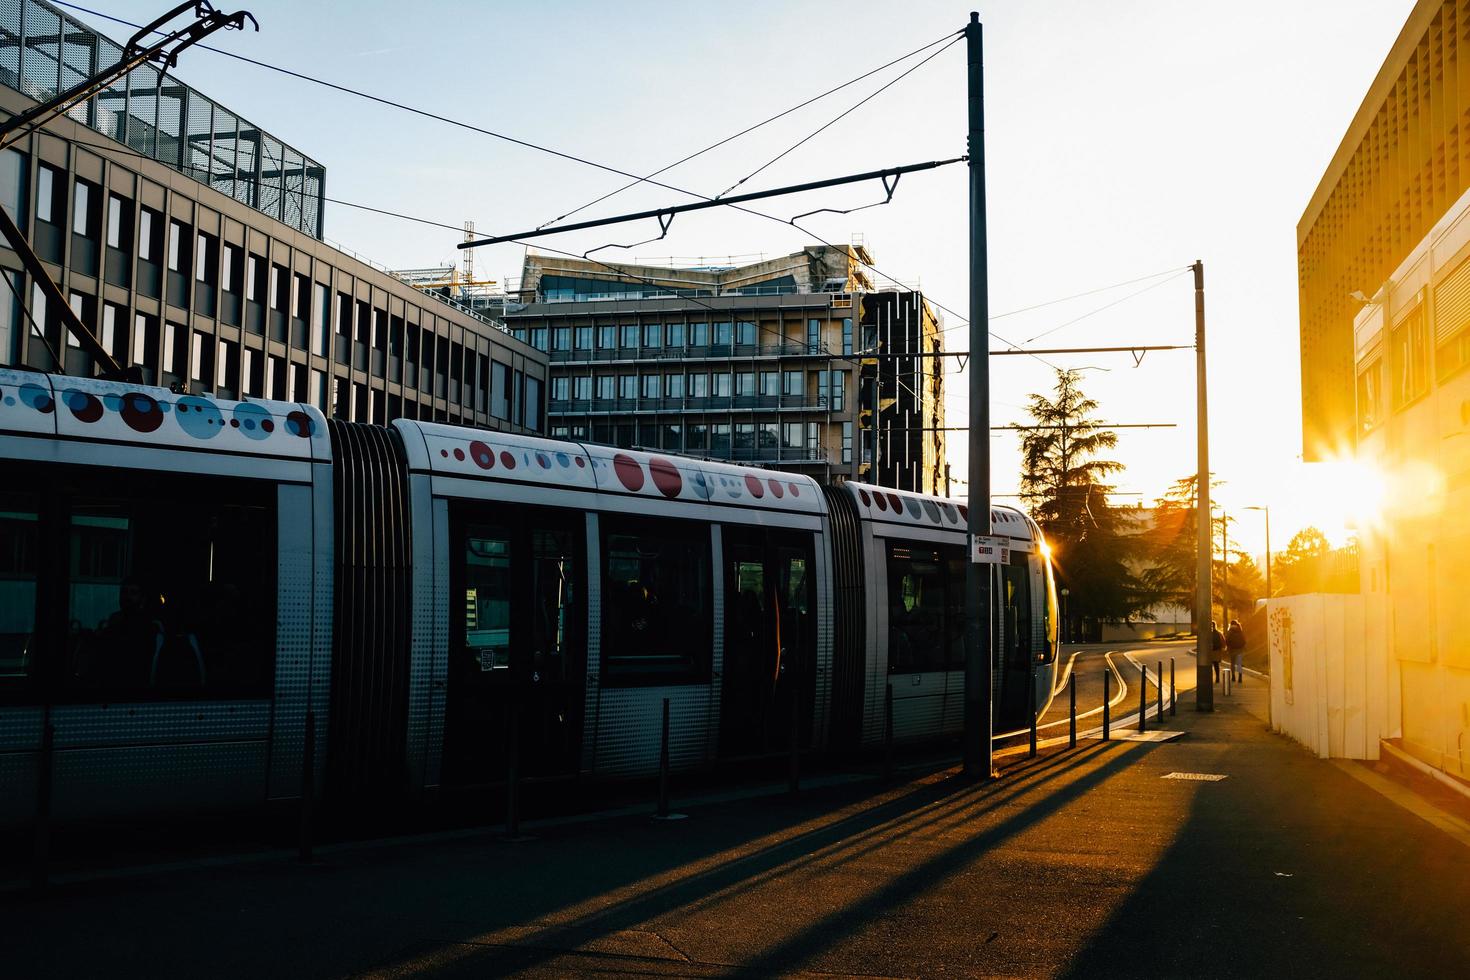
(188, 585)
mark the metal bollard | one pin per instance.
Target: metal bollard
(1143, 701)
(1072, 711)
(663, 768)
(1107, 709)
(1031, 691)
(513, 777)
(1173, 692)
(41, 854)
(308, 788)
(1159, 668)
(888, 731)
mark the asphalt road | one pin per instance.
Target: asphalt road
(1079, 863)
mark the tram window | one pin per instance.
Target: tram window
(170, 593)
(656, 584)
(487, 599)
(19, 553)
(553, 599)
(919, 600)
(1016, 596)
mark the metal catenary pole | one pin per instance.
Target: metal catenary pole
(978, 703)
(1204, 691)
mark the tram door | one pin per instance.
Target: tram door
(1017, 659)
(770, 664)
(517, 645)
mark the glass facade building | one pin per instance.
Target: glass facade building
(43, 51)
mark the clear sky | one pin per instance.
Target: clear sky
(1124, 138)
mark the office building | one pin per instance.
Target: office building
(796, 362)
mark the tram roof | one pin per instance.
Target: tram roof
(902, 507)
(510, 457)
(89, 409)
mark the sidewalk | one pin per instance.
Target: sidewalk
(1079, 863)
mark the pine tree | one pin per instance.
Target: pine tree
(1062, 483)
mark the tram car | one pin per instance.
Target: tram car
(193, 590)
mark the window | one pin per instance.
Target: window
(232, 272)
(1370, 396)
(606, 386)
(533, 403)
(538, 338)
(699, 386)
(925, 606)
(560, 388)
(255, 279)
(1410, 350)
(145, 340)
(112, 316)
(119, 223)
(561, 338)
(720, 385)
(583, 338)
(227, 365)
(674, 335)
(770, 383)
(793, 383)
(722, 333)
(202, 358)
(696, 437)
(321, 315)
(628, 335)
(13, 185)
(319, 390)
(793, 435)
(847, 442)
(171, 590)
(745, 437)
(20, 559)
(175, 247)
(653, 335)
(651, 386)
(84, 209)
(499, 390)
(10, 315)
(813, 335)
(49, 181)
(745, 333)
(673, 386)
(174, 351)
(847, 335)
(656, 625)
(582, 387)
(628, 386)
(607, 337)
(300, 296)
(839, 390)
(699, 335)
(745, 384)
(280, 289)
(148, 230)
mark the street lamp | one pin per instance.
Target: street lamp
(1065, 593)
(1267, 512)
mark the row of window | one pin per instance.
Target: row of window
(721, 440)
(828, 387)
(663, 336)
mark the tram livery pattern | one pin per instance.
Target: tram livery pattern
(185, 580)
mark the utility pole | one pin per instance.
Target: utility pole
(1204, 691)
(1224, 569)
(978, 683)
(1267, 511)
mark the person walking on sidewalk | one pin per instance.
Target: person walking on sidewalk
(1217, 649)
(1235, 643)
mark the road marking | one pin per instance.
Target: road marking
(1198, 777)
(1154, 736)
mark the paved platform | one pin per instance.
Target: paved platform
(1080, 863)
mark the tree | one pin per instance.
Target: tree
(1169, 545)
(1062, 483)
(1300, 568)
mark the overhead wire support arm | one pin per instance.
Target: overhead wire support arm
(662, 213)
(164, 52)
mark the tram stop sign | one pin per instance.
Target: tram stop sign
(989, 549)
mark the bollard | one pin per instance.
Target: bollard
(663, 768)
(1107, 710)
(1072, 711)
(1173, 692)
(513, 776)
(1031, 690)
(41, 855)
(1143, 701)
(308, 788)
(888, 731)
(1159, 673)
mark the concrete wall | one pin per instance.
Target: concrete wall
(1329, 686)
